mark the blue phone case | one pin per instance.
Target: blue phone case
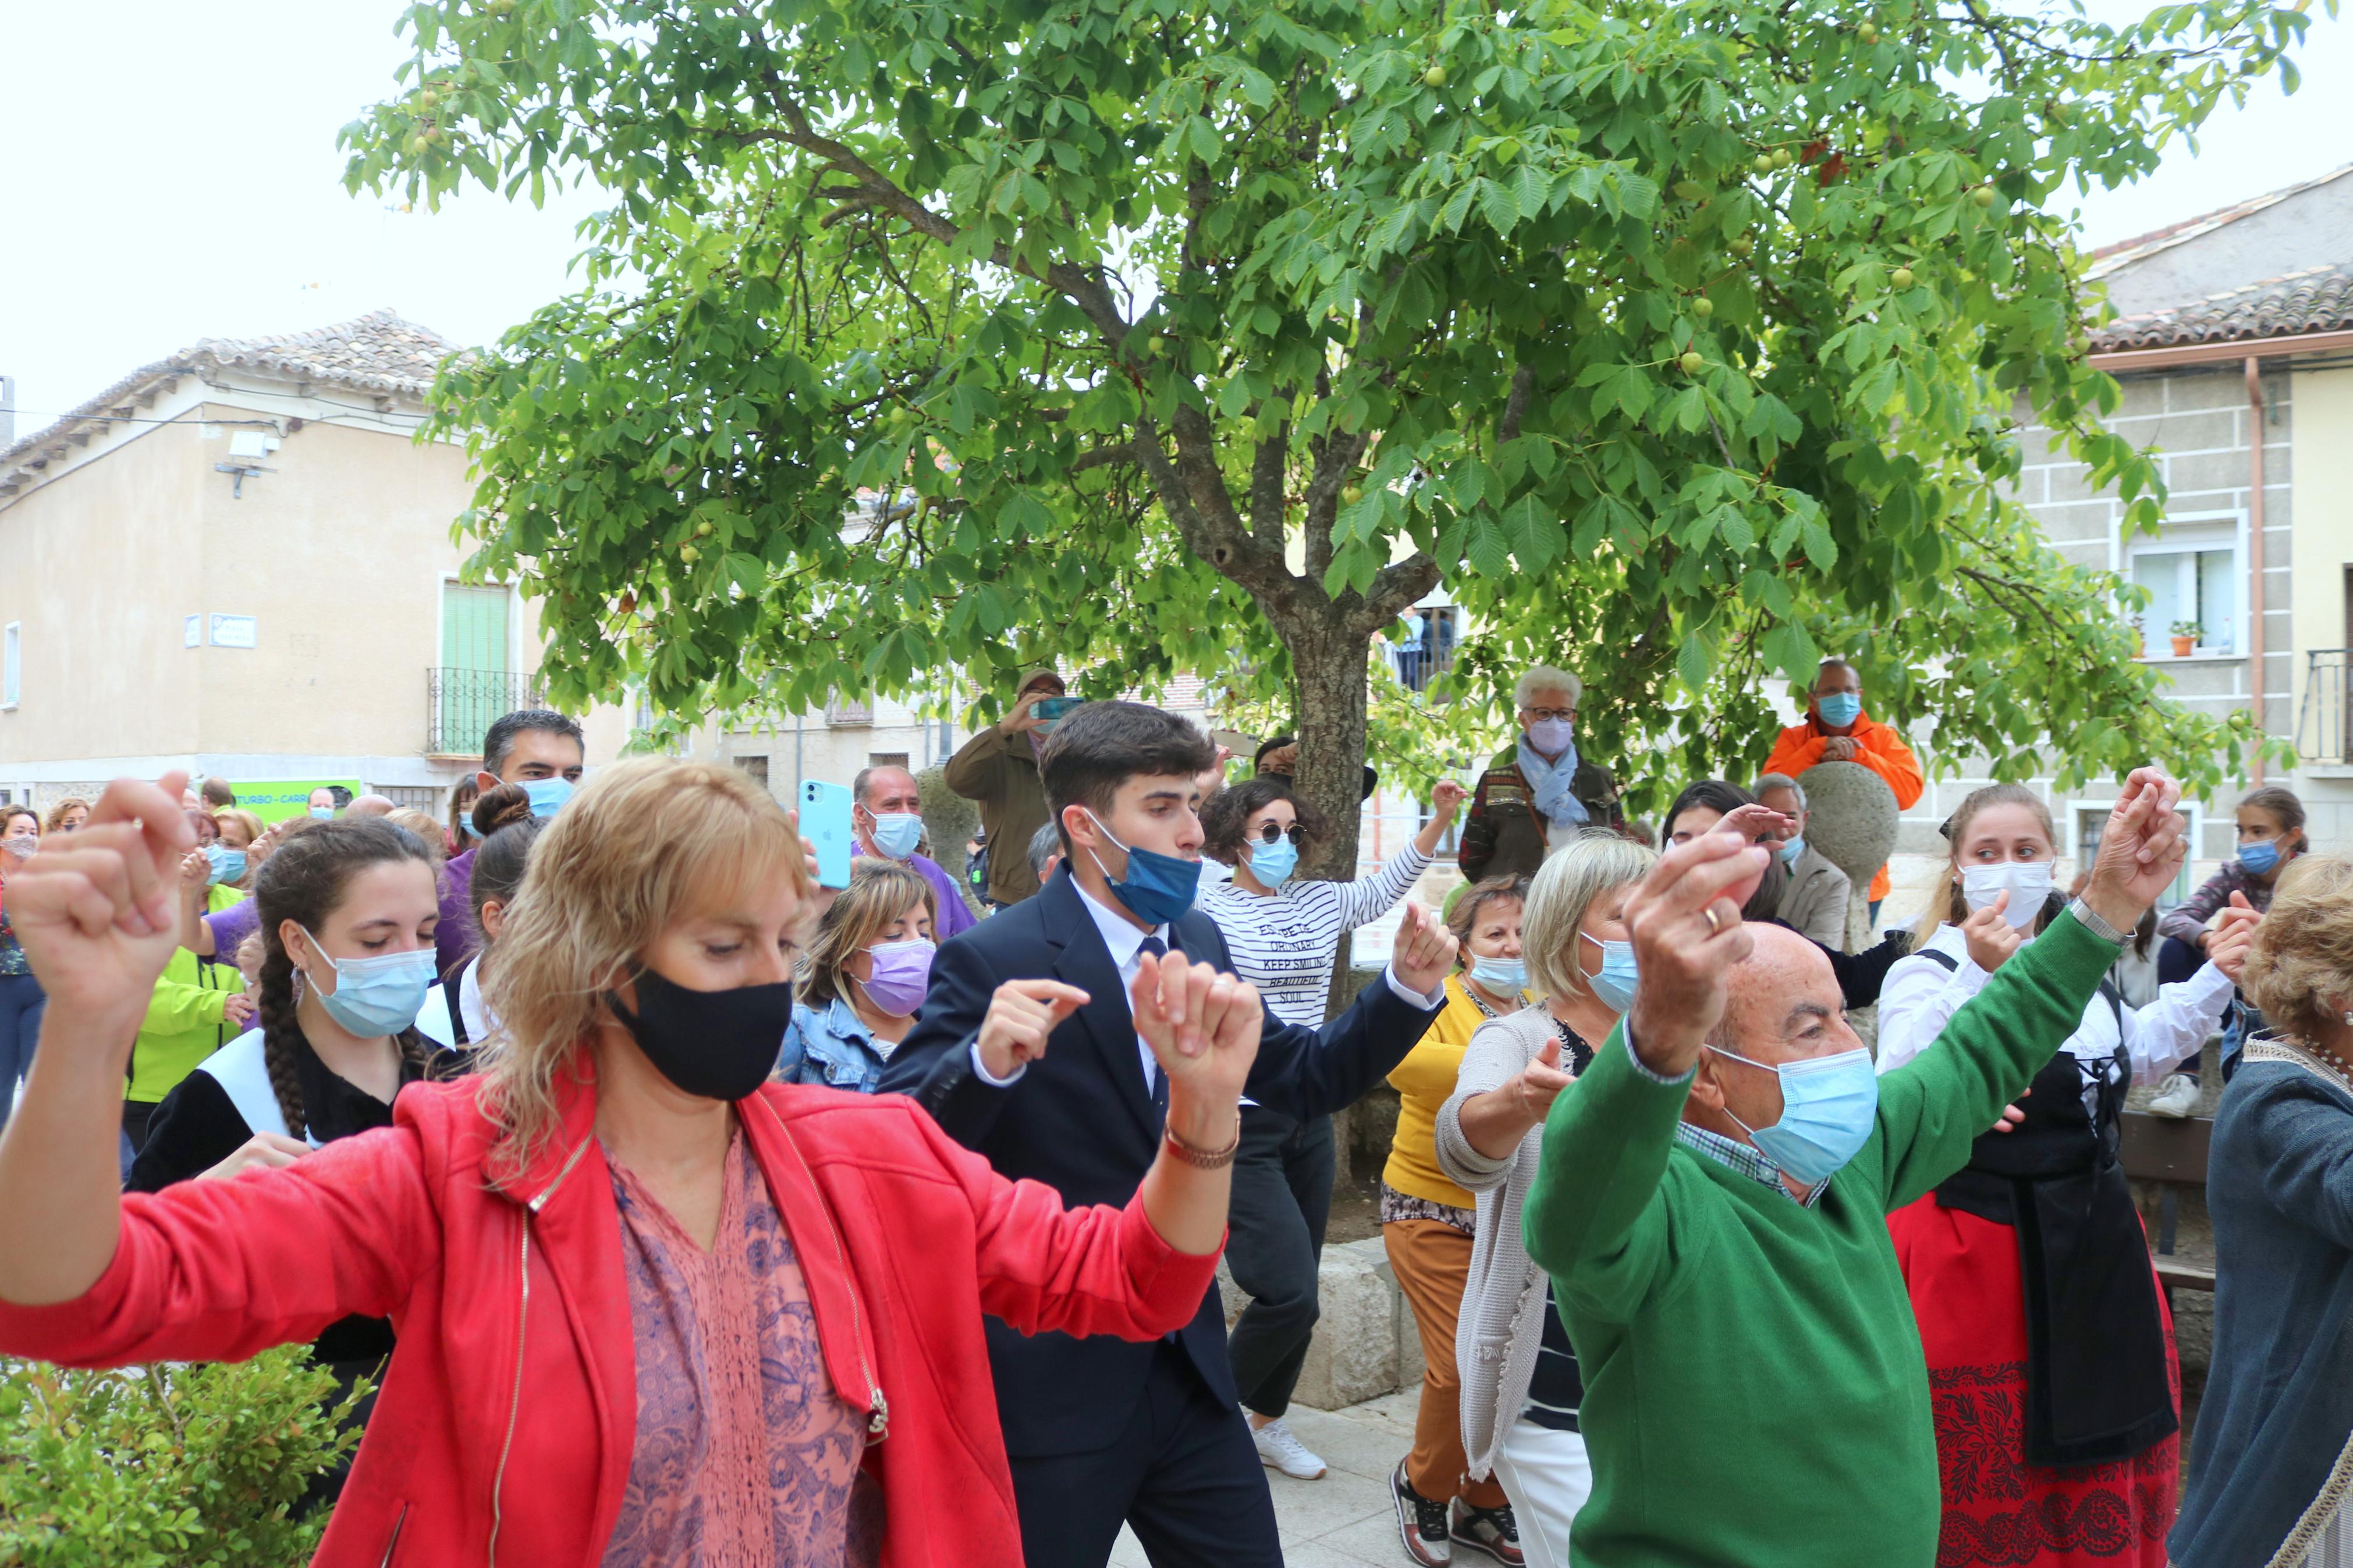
(825, 822)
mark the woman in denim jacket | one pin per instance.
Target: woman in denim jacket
(863, 978)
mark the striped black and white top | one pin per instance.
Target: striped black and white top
(1283, 943)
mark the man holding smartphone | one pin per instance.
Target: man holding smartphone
(997, 770)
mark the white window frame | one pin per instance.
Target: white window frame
(2186, 533)
(12, 665)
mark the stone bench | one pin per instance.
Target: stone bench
(1364, 1344)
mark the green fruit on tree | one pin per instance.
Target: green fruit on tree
(1982, 196)
(689, 553)
(417, 145)
(1868, 33)
(1781, 158)
(1434, 77)
(1691, 362)
(1762, 163)
(1901, 278)
(1353, 494)
(1703, 306)
(434, 135)
(501, 8)
(701, 531)
(1742, 244)
(428, 99)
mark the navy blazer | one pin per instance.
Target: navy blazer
(1080, 1120)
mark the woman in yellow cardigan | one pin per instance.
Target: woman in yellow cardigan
(1427, 1221)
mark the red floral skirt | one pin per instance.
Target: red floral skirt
(2001, 1511)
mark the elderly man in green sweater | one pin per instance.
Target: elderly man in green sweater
(1712, 1205)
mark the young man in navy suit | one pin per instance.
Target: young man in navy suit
(1032, 1050)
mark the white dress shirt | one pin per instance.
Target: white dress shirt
(1921, 996)
(1124, 938)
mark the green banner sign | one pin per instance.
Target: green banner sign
(276, 801)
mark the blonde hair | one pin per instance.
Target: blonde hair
(57, 817)
(878, 894)
(1589, 866)
(644, 844)
(1953, 909)
(2302, 956)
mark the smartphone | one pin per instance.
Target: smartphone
(1049, 709)
(825, 822)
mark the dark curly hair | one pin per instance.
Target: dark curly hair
(304, 882)
(1230, 809)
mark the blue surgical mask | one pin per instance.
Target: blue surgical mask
(1159, 887)
(228, 864)
(1272, 864)
(2259, 858)
(1828, 1106)
(378, 995)
(324, 813)
(1615, 985)
(896, 832)
(1840, 709)
(1551, 737)
(1791, 850)
(1504, 976)
(547, 796)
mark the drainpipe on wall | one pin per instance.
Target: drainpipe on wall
(2256, 556)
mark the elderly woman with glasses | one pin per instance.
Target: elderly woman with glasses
(1283, 933)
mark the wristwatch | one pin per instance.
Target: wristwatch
(2089, 918)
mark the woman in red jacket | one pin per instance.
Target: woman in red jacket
(650, 1309)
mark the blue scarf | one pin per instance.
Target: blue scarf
(1549, 783)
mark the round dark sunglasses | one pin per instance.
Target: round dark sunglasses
(1267, 833)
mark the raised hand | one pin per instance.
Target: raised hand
(1755, 824)
(1535, 1086)
(1203, 1027)
(1020, 1014)
(1422, 956)
(1990, 936)
(2141, 849)
(96, 910)
(1684, 921)
(2230, 943)
(1022, 719)
(1446, 798)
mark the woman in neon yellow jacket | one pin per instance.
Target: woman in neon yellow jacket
(199, 1005)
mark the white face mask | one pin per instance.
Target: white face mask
(2028, 882)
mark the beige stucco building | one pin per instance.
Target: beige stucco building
(239, 561)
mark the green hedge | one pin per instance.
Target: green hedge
(165, 1464)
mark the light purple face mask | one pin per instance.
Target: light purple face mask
(902, 972)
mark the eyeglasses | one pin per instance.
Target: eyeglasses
(1538, 715)
(1268, 832)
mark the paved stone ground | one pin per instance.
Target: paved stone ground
(1346, 1520)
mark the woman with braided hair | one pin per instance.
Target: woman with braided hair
(342, 910)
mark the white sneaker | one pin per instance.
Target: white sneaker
(1278, 1449)
(2177, 1096)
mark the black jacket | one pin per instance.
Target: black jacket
(1080, 1120)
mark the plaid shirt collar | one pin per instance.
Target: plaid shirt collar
(1744, 1159)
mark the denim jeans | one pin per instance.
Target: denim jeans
(21, 1004)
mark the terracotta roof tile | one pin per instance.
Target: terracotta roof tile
(2315, 299)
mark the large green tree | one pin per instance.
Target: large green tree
(1680, 341)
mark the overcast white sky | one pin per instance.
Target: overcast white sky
(175, 176)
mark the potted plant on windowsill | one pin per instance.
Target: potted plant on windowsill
(2185, 637)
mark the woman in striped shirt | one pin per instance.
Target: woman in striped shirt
(1283, 935)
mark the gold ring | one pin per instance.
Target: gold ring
(1715, 922)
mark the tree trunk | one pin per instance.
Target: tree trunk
(1328, 665)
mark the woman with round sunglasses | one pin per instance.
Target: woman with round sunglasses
(864, 977)
(1283, 931)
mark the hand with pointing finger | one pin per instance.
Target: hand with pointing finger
(1020, 1014)
(1535, 1086)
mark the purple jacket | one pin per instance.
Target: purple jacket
(955, 915)
(453, 939)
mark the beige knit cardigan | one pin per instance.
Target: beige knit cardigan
(1501, 1325)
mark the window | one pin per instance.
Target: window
(2091, 820)
(886, 759)
(757, 768)
(2193, 573)
(849, 712)
(12, 664)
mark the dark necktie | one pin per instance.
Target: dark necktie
(1157, 949)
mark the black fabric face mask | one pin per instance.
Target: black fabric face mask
(721, 1045)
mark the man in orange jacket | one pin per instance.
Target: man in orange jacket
(1836, 731)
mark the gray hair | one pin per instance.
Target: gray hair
(1778, 781)
(1544, 677)
(1044, 845)
(1589, 866)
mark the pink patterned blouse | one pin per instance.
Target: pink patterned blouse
(744, 1457)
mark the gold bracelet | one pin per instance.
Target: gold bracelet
(1202, 1159)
